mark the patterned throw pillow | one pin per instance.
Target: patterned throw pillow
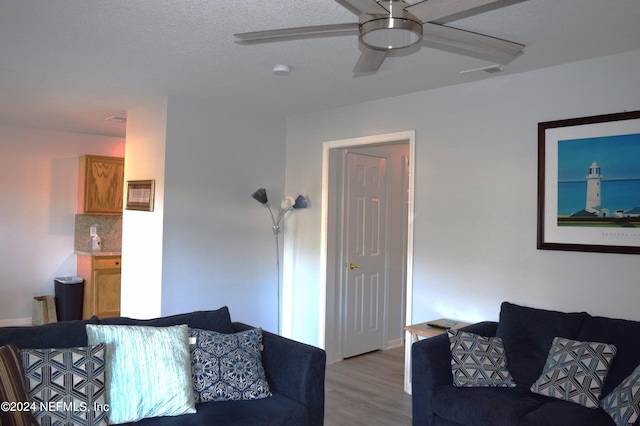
(227, 366)
(147, 371)
(66, 386)
(623, 403)
(575, 371)
(13, 389)
(478, 361)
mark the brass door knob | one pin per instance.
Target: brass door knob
(353, 266)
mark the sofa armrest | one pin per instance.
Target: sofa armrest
(294, 369)
(431, 368)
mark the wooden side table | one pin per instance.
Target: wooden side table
(425, 330)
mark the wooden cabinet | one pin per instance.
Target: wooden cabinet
(100, 185)
(101, 285)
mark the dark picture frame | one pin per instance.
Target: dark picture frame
(140, 195)
(589, 184)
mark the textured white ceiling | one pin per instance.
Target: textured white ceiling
(68, 64)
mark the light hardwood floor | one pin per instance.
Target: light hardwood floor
(367, 390)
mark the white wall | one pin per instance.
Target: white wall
(475, 204)
(207, 243)
(38, 191)
(475, 194)
(218, 246)
(142, 231)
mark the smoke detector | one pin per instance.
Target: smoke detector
(281, 69)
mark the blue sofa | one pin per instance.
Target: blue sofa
(527, 335)
(295, 371)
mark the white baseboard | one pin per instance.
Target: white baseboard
(15, 321)
(394, 343)
(335, 358)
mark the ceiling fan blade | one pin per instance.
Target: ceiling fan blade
(369, 61)
(297, 33)
(433, 10)
(370, 7)
(470, 44)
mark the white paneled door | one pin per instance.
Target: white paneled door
(365, 254)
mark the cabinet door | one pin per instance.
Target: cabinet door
(106, 292)
(102, 180)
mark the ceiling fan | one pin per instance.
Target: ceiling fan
(386, 25)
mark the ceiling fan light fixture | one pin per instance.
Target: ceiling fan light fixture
(390, 33)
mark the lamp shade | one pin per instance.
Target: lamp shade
(301, 202)
(261, 196)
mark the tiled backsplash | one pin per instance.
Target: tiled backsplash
(109, 230)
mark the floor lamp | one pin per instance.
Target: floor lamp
(288, 203)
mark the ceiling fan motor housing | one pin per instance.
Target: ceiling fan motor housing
(390, 33)
(396, 30)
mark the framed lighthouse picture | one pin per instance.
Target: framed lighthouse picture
(589, 184)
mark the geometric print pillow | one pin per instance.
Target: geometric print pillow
(66, 386)
(623, 403)
(227, 366)
(478, 361)
(575, 371)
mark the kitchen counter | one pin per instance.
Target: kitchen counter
(98, 253)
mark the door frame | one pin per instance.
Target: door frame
(324, 231)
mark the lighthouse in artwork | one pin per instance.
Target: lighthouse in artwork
(594, 195)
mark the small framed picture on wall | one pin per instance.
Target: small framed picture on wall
(140, 195)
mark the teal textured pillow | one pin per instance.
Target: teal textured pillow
(148, 371)
(478, 361)
(575, 371)
(623, 403)
(228, 366)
